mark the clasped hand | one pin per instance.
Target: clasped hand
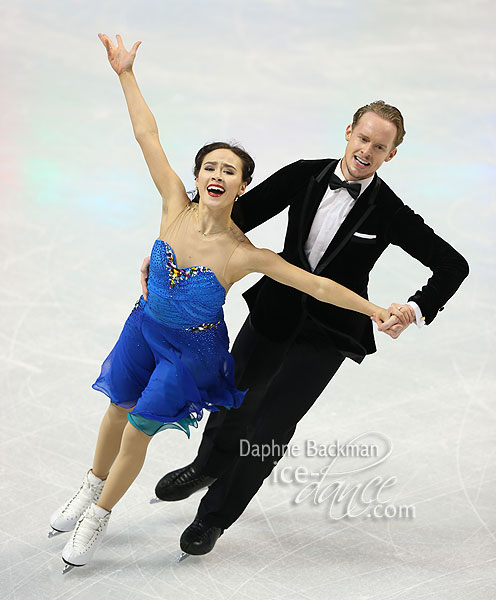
(400, 316)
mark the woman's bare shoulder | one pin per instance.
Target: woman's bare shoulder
(242, 257)
(236, 233)
(243, 245)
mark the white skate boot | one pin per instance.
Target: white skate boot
(85, 538)
(65, 518)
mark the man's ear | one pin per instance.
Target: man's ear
(391, 155)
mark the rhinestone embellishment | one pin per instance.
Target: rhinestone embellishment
(203, 326)
(177, 274)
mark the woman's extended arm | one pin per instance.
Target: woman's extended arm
(251, 259)
(145, 128)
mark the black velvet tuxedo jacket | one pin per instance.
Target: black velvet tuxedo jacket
(277, 311)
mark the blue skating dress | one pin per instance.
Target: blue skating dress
(172, 360)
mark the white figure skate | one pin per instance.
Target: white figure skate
(65, 518)
(85, 538)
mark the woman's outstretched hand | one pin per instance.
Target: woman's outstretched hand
(381, 314)
(120, 59)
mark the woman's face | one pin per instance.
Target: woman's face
(220, 179)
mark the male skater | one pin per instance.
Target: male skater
(342, 217)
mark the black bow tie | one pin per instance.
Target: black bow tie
(354, 189)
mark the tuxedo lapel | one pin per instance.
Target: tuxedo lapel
(314, 194)
(357, 215)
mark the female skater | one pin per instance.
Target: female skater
(171, 360)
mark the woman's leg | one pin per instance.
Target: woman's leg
(109, 440)
(107, 448)
(126, 466)
(91, 528)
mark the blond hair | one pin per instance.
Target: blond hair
(387, 112)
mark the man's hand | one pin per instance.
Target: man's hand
(145, 267)
(393, 326)
(400, 316)
(404, 313)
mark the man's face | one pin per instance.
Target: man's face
(370, 143)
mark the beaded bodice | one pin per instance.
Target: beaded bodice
(190, 298)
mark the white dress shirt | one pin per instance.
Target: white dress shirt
(332, 211)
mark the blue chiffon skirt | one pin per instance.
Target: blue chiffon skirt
(168, 375)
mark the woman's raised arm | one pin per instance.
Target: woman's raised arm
(145, 129)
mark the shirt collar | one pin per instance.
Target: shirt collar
(364, 183)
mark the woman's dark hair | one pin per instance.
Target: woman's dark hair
(246, 159)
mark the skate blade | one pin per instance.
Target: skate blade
(154, 500)
(67, 568)
(183, 556)
(53, 532)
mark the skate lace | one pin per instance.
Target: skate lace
(86, 529)
(86, 494)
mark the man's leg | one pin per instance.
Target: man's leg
(308, 367)
(257, 360)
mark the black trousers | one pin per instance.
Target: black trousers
(284, 380)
